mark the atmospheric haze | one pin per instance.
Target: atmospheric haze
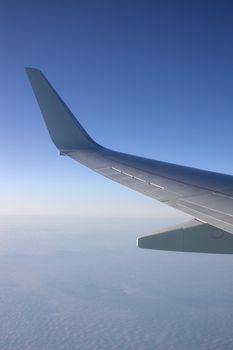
(83, 284)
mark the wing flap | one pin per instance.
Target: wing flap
(193, 236)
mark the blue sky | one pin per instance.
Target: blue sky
(152, 78)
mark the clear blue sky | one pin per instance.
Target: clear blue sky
(153, 78)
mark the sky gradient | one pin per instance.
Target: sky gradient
(152, 78)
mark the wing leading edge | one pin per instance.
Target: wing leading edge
(205, 195)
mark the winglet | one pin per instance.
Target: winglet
(64, 129)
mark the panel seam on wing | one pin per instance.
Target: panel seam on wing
(137, 178)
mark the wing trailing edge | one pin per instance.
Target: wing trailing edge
(193, 236)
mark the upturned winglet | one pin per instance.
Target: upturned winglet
(64, 129)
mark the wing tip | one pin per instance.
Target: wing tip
(65, 130)
(32, 69)
(33, 72)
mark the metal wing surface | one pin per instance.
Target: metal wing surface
(205, 195)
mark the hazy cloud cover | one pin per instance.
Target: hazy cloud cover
(83, 284)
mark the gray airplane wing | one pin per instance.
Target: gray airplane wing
(206, 196)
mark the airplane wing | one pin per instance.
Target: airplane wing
(206, 196)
